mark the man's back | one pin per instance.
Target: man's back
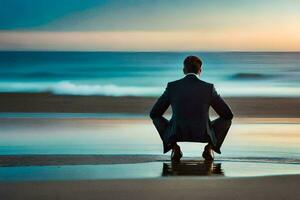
(190, 99)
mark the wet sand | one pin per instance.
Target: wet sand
(273, 187)
(45, 102)
(54, 160)
(260, 129)
(259, 144)
(88, 159)
(254, 137)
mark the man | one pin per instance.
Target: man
(190, 99)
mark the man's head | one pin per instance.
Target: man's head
(192, 64)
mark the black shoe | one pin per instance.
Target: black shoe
(176, 153)
(207, 153)
(216, 149)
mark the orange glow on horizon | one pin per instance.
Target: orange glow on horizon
(232, 40)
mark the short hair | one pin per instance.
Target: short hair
(192, 64)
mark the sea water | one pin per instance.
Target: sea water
(147, 73)
(250, 149)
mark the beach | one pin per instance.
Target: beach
(274, 107)
(103, 147)
(78, 80)
(75, 125)
(277, 188)
(78, 157)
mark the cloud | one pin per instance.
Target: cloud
(142, 15)
(234, 39)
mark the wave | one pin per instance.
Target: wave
(48, 75)
(30, 75)
(68, 88)
(71, 88)
(41, 74)
(251, 76)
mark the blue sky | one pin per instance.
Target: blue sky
(257, 20)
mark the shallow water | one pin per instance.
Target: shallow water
(251, 149)
(130, 136)
(146, 170)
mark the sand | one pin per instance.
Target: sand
(53, 160)
(273, 187)
(44, 102)
(270, 110)
(89, 159)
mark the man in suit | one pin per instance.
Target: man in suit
(190, 99)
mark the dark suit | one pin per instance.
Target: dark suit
(190, 99)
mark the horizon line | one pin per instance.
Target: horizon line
(153, 51)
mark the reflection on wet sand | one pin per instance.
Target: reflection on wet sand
(192, 168)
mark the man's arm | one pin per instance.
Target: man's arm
(161, 105)
(220, 106)
(161, 124)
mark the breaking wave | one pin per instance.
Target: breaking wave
(71, 88)
(68, 88)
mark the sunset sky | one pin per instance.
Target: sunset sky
(140, 25)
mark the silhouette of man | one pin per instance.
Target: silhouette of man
(190, 99)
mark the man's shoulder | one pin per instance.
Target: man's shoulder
(206, 83)
(175, 82)
(181, 81)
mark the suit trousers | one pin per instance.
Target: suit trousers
(220, 127)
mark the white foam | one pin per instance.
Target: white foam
(66, 87)
(69, 88)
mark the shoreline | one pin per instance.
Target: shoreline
(26, 160)
(258, 107)
(268, 187)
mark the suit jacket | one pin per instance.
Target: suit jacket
(190, 99)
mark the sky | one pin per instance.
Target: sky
(150, 25)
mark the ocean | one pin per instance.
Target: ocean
(252, 148)
(147, 73)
